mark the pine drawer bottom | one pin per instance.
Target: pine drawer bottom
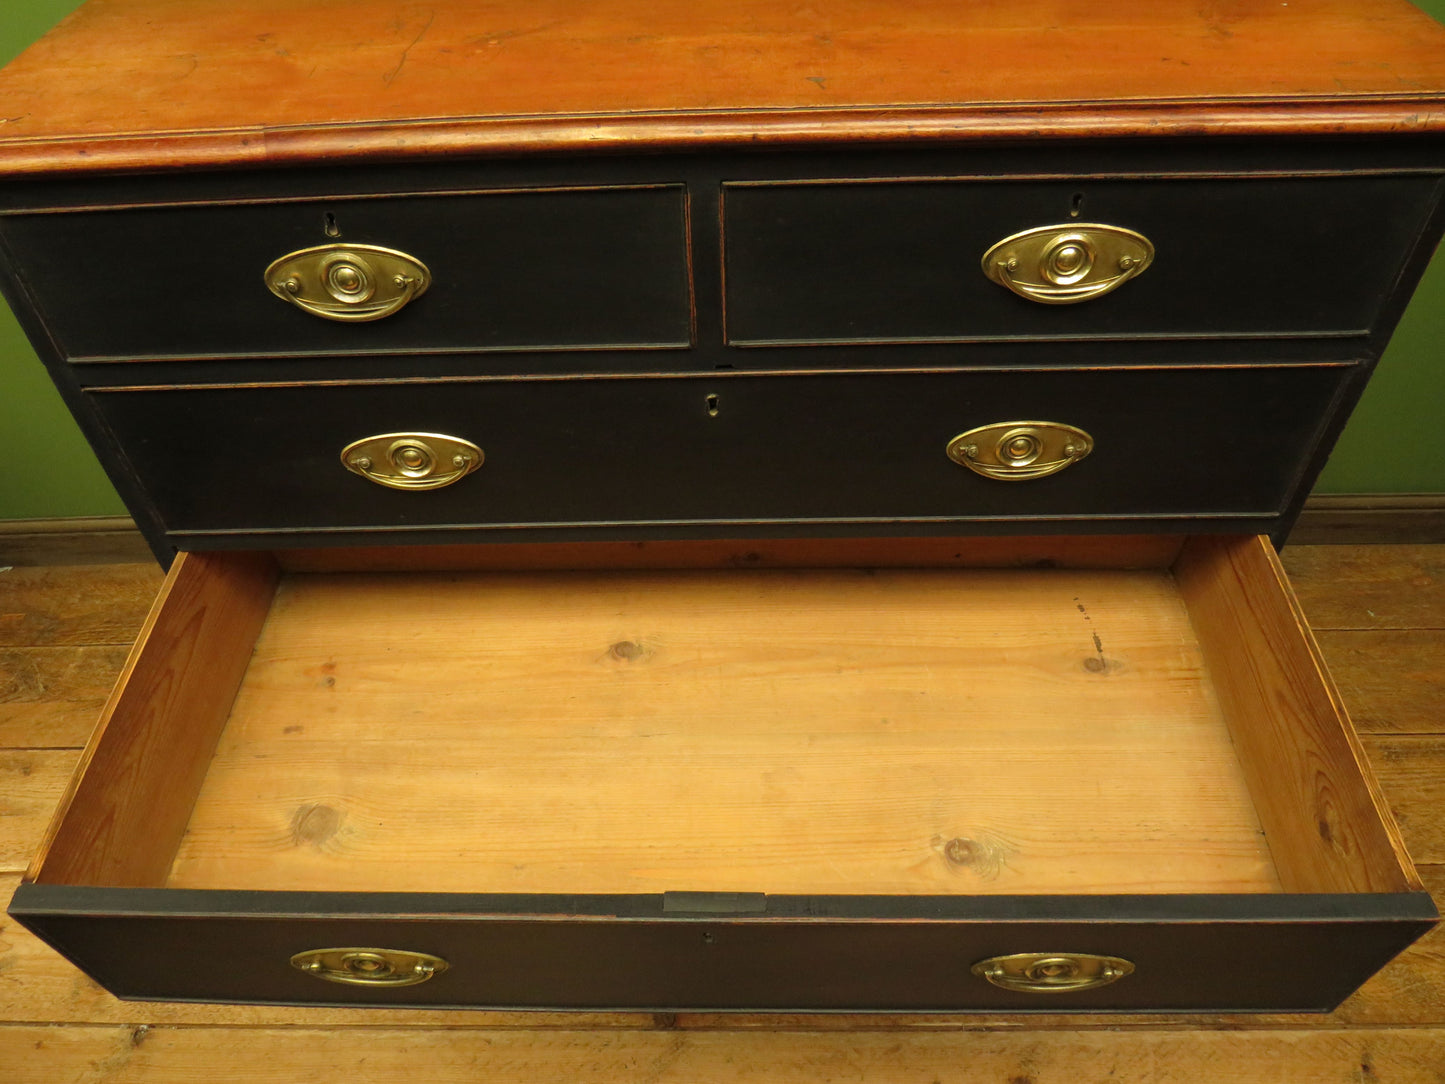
(1004, 774)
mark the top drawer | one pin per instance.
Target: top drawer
(900, 261)
(529, 270)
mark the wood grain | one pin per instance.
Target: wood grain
(781, 731)
(148, 83)
(1412, 771)
(1393, 681)
(127, 804)
(93, 604)
(156, 1055)
(51, 696)
(1327, 822)
(1369, 587)
(31, 782)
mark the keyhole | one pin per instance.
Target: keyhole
(1077, 205)
(331, 228)
(712, 406)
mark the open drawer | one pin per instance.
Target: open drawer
(975, 774)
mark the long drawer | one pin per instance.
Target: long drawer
(1054, 776)
(728, 449)
(525, 269)
(905, 260)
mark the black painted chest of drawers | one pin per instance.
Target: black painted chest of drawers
(746, 555)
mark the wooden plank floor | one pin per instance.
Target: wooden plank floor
(1380, 615)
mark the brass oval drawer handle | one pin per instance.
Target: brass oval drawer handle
(412, 460)
(369, 966)
(1020, 451)
(1063, 265)
(352, 283)
(1052, 972)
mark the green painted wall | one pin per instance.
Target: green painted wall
(53, 473)
(56, 475)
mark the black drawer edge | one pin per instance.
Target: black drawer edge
(1192, 953)
(36, 900)
(664, 530)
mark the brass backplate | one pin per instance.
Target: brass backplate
(369, 966)
(1020, 451)
(1052, 972)
(350, 283)
(1066, 264)
(412, 460)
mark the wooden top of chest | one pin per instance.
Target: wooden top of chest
(126, 84)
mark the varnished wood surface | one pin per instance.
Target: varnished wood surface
(55, 1025)
(163, 83)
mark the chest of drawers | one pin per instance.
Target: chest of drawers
(723, 507)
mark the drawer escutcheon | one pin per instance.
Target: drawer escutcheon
(412, 460)
(1020, 451)
(350, 283)
(1052, 972)
(369, 966)
(1066, 264)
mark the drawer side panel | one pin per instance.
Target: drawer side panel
(127, 805)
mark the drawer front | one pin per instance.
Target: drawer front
(726, 450)
(1191, 953)
(508, 270)
(860, 262)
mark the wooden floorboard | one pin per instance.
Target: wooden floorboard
(50, 606)
(1412, 771)
(1369, 587)
(1379, 612)
(1393, 681)
(31, 782)
(161, 1054)
(50, 697)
